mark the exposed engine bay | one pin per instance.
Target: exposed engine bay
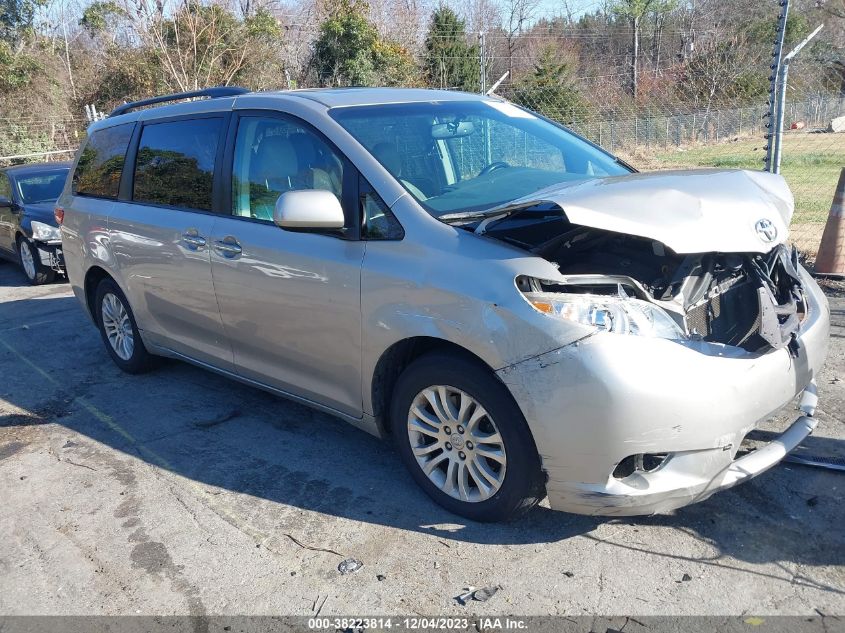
(754, 301)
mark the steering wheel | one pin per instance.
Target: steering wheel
(499, 164)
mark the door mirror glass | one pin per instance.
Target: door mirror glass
(5, 202)
(308, 209)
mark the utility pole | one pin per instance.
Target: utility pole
(777, 52)
(482, 70)
(783, 72)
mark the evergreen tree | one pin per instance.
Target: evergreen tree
(450, 61)
(349, 51)
(343, 51)
(551, 89)
(17, 18)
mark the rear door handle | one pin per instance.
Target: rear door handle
(193, 240)
(228, 247)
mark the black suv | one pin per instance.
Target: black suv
(29, 233)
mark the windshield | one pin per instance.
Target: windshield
(468, 156)
(45, 186)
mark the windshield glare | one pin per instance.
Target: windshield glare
(42, 187)
(467, 156)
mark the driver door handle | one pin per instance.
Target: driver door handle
(228, 247)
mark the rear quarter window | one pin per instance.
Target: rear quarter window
(100, 164)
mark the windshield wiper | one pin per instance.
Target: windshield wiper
(490, 216)
(465, 216)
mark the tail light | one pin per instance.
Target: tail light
(59, 214)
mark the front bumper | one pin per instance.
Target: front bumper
(594, 403)
(51, 255)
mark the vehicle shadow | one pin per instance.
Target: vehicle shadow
(223, 435)
(12, 276)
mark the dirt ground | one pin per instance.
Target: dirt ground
(179, 492)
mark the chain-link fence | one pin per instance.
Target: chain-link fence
(664, 128)
(24, 139)
(662, 132)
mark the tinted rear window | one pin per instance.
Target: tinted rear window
(42, 187)
(175, 164)
(101, 162)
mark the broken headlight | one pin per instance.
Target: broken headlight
(44, 232)
(617, 315)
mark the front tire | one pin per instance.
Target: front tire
(464, 439)
(30, 261)
(119, 330)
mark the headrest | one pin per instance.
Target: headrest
(388, 155)
(276, 158)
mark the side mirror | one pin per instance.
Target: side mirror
(308, 209)
(5, 202)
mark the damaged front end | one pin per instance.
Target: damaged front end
(632, 285)
(724, 329)
(695, 254)
(638, 424)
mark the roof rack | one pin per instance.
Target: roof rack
(211, 93)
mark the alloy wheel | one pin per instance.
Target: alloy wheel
(456, 443)
(117, 326)
(27, 260)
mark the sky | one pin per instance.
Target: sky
(578, 7)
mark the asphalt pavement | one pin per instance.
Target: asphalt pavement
(181, 492)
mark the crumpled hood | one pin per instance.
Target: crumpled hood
(690, 211)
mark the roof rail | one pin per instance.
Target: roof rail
(211, 93)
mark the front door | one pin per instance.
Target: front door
(290, 301)
(161, 237)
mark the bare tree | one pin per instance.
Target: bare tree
(401, 21)
(299, 21)
(67, 32)
(516, 14)
(197, 43)
(657, 38)
(480, 16)
(634, 11)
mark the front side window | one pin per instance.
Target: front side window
(42, 187)
(175, 163)
(273, 156)
(463, 156)
(100, 164)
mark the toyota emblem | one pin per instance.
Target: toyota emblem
(766, 231)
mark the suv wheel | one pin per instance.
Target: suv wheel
(36, 272)
(119, 330)
(464, 439)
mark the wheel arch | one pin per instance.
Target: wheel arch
(93, 276)
(393, 362)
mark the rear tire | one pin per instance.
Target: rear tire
(119, 331)
(30, 262)
(477, 449)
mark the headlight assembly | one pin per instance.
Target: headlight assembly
(617, 315)
(44, 232)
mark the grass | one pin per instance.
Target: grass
(811, 164)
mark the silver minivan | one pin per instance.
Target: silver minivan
(524, 314)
